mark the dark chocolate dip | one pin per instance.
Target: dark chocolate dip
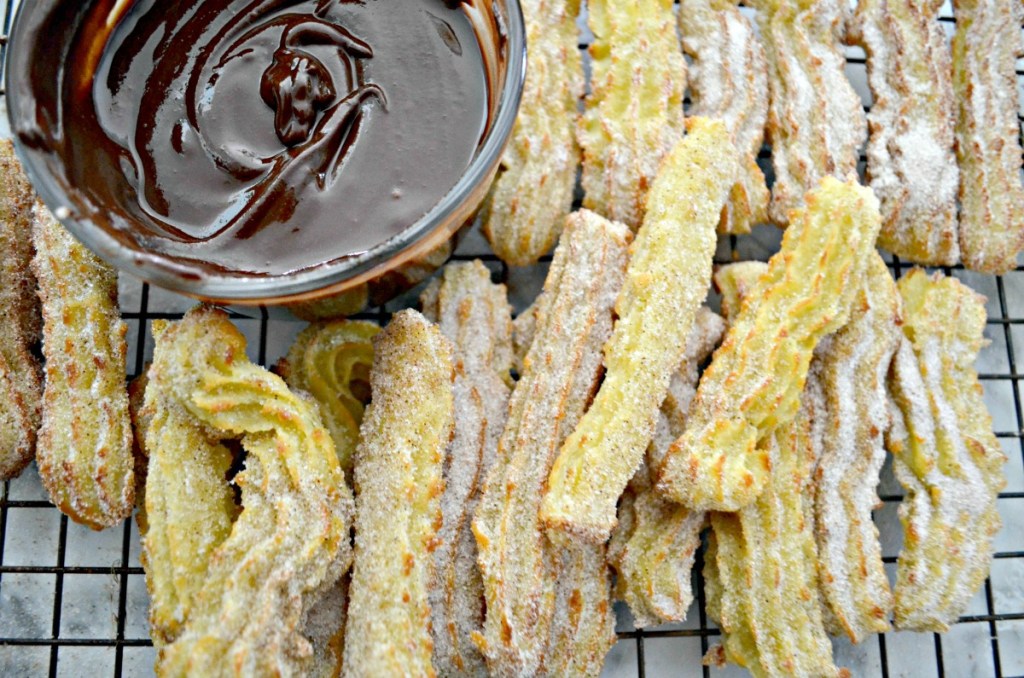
(256, 136)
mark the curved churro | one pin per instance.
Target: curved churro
(736, 283)
(754, 382)
(331, 361)
(729, 81)
(289, 545)
(911, 164)
(399, 484)
(665, 285)
(20, 321)
(84, 451)
(653, 546)
(533, 193)
(816, 122)
(474, 314)
(762, 572)
(521, 570)
(634, 114)
(946, 455)
(986, 46)
(855, 417)
(188, 509)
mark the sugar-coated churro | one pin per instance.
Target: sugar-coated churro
(84, 450)
(20, 321)
(533, 192)
(666, 281)
(729, 81)
(986, 46)
(816, 122)
(398, 488)
(754, 382)
(523, 573)
(946, 455)
(474, 314)
(634, 113)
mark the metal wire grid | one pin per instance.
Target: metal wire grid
(59, 648)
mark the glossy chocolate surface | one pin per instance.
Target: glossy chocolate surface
(255, 136)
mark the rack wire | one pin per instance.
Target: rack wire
(73, 602)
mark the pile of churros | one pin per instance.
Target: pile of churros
(465, 493)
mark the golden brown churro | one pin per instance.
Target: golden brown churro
(289, 545)
(729, 81)
(754, 382)
(816, 122)
(667, 279)
(84, 451)
(855, 417)
(946, 455)
(986, 46)
(762, 572)
(398, 483)
(474, 314)
(523, 573)
(331, 361)
(634, 113)
(911, 164)
(20, 321)
(533, 192)
(653, 546)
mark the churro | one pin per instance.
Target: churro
(667, 279)
(986, 46)
(855, 417)
(398, 487)
(20, 320)
(289, 545)
(946, 456)
(533, 193)
(653, 547)
(754, 382)
(634, 114)
(474, 314)
(729, 81)
(911, 163)
(84, 450)
(522, 571)
(331, 361)
(816, 122)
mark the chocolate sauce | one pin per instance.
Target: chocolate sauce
(255, 136)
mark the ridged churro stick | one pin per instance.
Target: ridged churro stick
(986, 46)
(653, 547)
(533, 192)
(816, 122)
(398, 487)
(729, 81)
(946, 455)
(911, 164)
(634, 113)
(20, 322)
(84, 451)
(667, 279)
(853, 372)
(522, 571)
(474, 314)
(754, 382)
(331, 361)
(289, 545)
(762, 572)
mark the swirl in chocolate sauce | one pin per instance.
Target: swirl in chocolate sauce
(262, 136)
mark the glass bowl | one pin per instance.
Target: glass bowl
(339, 286)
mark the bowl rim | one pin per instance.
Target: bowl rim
(313, 282)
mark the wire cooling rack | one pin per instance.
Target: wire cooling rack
(73, 602)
